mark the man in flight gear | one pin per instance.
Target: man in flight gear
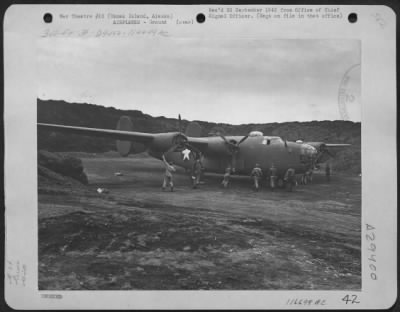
(168, 180)
(196, 172)
(227, 175)
(290, 178)
(272, 177)
(256, 173)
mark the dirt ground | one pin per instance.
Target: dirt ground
(138, 237)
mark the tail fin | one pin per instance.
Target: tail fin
(193, 130)
(125, 124)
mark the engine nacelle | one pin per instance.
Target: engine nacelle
(164, 141)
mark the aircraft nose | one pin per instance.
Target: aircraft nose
(308, 150)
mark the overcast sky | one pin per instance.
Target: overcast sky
(232, 81)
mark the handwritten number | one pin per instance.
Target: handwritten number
(353, 299)
(370, 237)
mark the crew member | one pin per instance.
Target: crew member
(303, 179)
(256, 173)
(328, 172)
(290, 179)
(227, 176)
(168, 179)
(309, 175)
(272, 177)
(196, 172)
(306, 177)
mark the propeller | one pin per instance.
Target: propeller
(322, 150)
(233, 148)
(180, 141)
(179, 123)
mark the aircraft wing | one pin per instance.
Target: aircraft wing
(200, 143)
(325, 149)
(334, 145)
(108, 133)
(322, 145)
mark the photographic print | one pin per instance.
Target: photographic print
(239, 169)
(205, 156)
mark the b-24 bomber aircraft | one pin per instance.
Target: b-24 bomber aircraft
(217, 152)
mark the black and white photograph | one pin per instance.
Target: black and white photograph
(238, 171)
(171, 154)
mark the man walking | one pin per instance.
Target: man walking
(272, 177)
(196, 172)
(168, 179)
(227, 176)
(290, 179)
(256, 173)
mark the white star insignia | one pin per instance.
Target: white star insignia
(186, 153)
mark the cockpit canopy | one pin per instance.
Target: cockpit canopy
(267, 140)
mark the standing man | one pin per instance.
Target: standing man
(290, 178)
(196, 172)
(309, 175)
(303, 179)
(272, 177)
(306, 177)
(168, 179)
(227, 176)
(327, 172)
(256, 173)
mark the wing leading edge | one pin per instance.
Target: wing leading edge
(107, 133)
(338, 145)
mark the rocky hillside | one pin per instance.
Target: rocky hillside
(90, 115)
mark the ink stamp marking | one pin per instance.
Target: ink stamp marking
(349, 93)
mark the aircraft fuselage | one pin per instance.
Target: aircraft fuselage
(262, 150)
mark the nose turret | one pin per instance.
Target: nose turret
(309, 153)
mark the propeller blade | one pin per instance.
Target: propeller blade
(180, 123)
(233, 162)
(223, 138)
(243, 139)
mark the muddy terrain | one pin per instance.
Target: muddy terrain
(135, 236)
